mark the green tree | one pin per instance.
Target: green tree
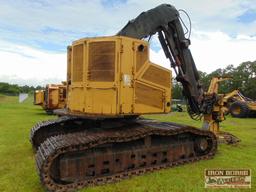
(176, 90)
(242, 77)
(13, 89)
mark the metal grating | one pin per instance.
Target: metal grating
(157, 76)
(102, 61)
(141, 56)
(148, 95)
(78, 58)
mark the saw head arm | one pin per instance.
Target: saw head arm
(164, 20)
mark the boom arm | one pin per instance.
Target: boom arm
(164, 20)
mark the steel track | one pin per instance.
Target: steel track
(69, 147)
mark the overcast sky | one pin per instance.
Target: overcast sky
(34, 34)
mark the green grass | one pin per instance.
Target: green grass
(17, 165)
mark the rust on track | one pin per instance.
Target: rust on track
(96, 155)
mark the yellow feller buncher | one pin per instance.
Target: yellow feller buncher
(234, 102)
(39, 97)
(240, 106)
(100, 136)
(53, 97)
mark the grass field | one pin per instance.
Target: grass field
(17, 166)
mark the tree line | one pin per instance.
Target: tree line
(14, 89)
(243, 78)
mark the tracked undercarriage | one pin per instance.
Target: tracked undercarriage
(93, 152)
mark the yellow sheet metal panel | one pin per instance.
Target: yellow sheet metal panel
(101, 101)
(157, 76)
(142, 96)
(76, 98)
(55, 96)
(141, 53)
(118, 78)
(126, 76)
(39, 97)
